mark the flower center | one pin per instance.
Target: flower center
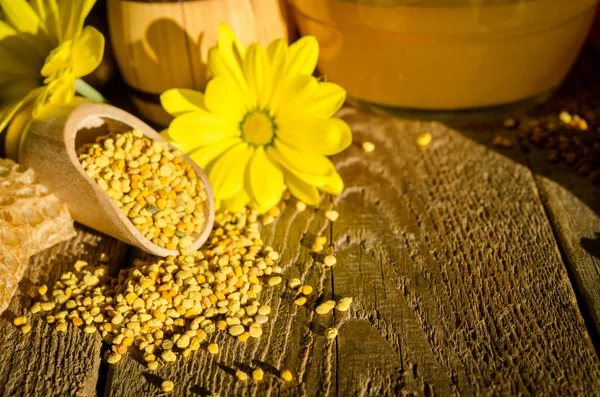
(258, 128)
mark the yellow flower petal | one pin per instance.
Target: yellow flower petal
(302, 57)
(257, 74)
(299, 181)
(58, 59)
(226, 59)
(18, 89)
(276, 53)
(230, 46)
(206, 154)
(177, 101)
(219, 67)
(334, 185)
(81, 55)
(71, 17)
(20, 15)
(58, 92)
(227, 174)
(236, 202)
(6, 30)
(87, 51)
(14, 67)
(47, 11)
(258, 207)
(223, 98)
(309, 163)
(328, 99)
(320, 136)
(265, 180)
(8, 111)
(295, 94)
(304, 192)
(26, 25)
(285, 164)
(15, 130)
(21, 53)
(201, 128)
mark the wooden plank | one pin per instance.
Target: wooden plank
(572, 201)
(573, 206)
(46, 362)
(454, 267)
(458, 282)
(289, 341)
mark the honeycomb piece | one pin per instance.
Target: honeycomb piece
(31, 220)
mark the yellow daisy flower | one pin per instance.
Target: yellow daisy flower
(45, 50)
(263, 122)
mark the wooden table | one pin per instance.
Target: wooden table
(474, 271)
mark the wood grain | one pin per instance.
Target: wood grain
(47, 362)
(458, 283)
(469, 268)
(572, 206)
(572, 201)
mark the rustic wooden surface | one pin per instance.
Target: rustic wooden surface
(571, 202)
(46, 362)
(573, 205)
(474, 271)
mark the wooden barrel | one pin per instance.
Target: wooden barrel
(163, 44)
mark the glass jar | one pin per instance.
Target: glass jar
(443, 58)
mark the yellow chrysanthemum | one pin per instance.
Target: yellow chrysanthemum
(263, 121)
(44, 50)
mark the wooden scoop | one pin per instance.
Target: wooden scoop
(48, 146)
